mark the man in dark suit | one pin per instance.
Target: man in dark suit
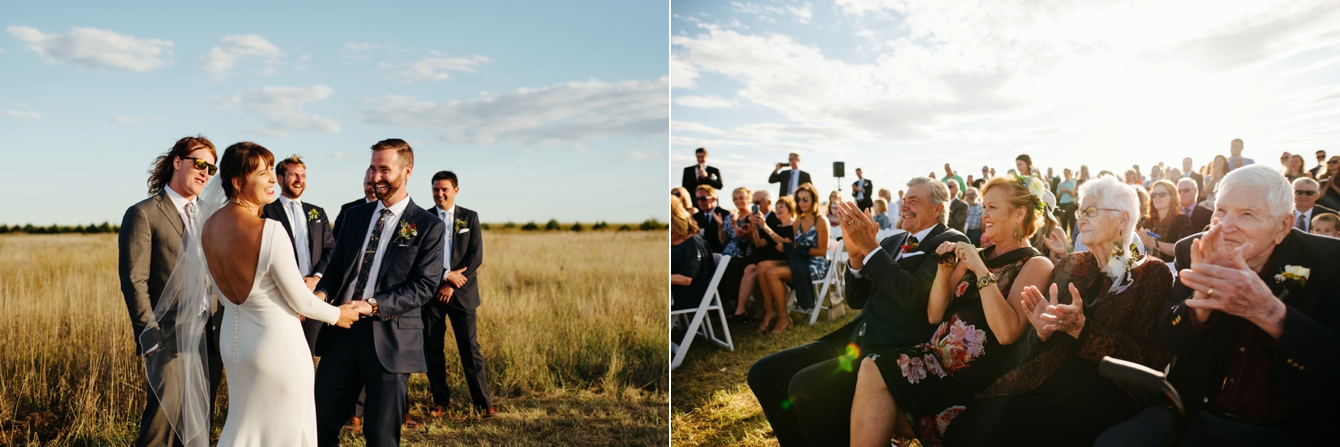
(806, 392)
(1321, 164)
(861, 191)
(701, 173)
(147, 247)
(710, 218)
(390, 255)
(456, 299)
(1255, 331)
(307, 225)
(1187, 190)
(1306, 191)
(368, 197)
(789, 179)
(958, 209)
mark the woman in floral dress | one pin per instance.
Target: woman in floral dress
(915, 391)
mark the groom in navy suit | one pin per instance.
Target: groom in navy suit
(389, 253)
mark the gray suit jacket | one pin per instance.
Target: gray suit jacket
(148, 245)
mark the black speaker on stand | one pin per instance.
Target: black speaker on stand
(839, 171)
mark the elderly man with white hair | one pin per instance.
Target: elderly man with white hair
(806, 392)
(1255, 324)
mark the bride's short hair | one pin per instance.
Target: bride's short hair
(240, 160)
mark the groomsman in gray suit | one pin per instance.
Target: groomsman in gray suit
(456, 299)
(307, 225)
(150, 240)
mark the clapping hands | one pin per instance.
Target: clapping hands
(1049, 316)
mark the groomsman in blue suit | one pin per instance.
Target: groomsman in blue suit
(456, 299)
(307, 225)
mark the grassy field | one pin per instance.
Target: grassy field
(713, 405)
(573, 329)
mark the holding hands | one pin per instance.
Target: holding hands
(1049, 316)
(351, 311)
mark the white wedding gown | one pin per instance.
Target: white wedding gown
(265, 355)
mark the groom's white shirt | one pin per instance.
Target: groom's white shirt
(388, 232)
(180, 203)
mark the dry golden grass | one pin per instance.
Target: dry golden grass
(573, 329)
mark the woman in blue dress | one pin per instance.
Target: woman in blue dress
(807, 260)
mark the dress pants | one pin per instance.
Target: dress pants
(463, 327)
(350, 365)
(155, 429)
(806, 393)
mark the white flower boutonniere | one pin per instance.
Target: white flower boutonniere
(460, 223)
(1294, 277)
(312, 215)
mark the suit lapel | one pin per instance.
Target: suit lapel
(170, 211)
(311, 229)
(408, 217)
(283, 211)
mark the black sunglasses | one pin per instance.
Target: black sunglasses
(704, 199)
(1159, 195)
(202, 164)
(1304, 193)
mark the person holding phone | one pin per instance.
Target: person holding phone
(790, 179)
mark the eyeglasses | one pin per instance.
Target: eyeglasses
(803, 199)
(758, 202)
(1091, 212)
(1331, 162)
(1158, 195)
(201, 164)
(1184, 191)
(704, 199)
(1304, 192)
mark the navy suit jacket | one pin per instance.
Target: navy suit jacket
(339, 219)
(407, 279)
(320, 238)
(467, 251)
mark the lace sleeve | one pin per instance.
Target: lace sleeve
(284, 270)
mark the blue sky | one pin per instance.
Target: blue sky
(543, 110)
(900, 87)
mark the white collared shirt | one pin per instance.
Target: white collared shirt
(180, 203)
(448, 217)
(921, 237)
(301, 237)
(795, 180)
(389, 229)
(1307, 217)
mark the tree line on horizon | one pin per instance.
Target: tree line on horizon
(552, 225)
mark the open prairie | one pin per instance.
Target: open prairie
(573, 329)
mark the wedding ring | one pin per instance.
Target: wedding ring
(849, 221)
(1060, 321)
(1209, 293)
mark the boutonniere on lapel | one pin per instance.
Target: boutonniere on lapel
(312, 215)
(407, 231)
(908, 247)
(1293, 278)
(460, 223)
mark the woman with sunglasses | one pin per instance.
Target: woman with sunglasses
(807, 259)
(1102, 302)
(1165, 221)
(683, 195)
(914, 391)
(1330, 188)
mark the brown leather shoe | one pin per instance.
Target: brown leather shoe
(411, 423)
(437, 412)
(488, 413)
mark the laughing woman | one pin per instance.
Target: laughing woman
(1051, 393)
(915, 391)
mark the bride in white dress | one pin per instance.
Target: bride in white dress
(251, 261)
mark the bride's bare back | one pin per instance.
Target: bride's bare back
(231, 240)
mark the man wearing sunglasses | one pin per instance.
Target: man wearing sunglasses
(710, 218)
(150, 239)
(1305, 194)
(1321, 164)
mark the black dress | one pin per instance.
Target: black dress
(932, 382)
(1178, 228)
(691, 258)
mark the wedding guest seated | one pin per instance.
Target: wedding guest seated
(691, 262)
(1164, 220)
(683, 195)
(737, 231)
(1305, 203)
(805, 261)
(881, 209)
(710, 218)
(1330, 189)
(1186, 195)
(767, 223)
(1326, 224)
(1102, 302)
(908, 389)
(834, 198)
(1255, 326)
(806, 392)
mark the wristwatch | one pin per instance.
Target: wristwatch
(373, 302)
(986, 280)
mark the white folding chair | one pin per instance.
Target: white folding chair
(711, 302)
(821, 285)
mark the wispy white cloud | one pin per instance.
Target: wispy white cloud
(96, 49)
(221, 60)
(432, 68)
(677, 126)
(136, 120)
(356, 50)
(569, 112)
(800, 14)
(23, 114)
(282, 109)
(643, 154)
(702, 102)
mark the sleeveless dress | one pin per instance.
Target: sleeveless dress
(932, 382)
(817, 265)
(739, 246)
(270, 373)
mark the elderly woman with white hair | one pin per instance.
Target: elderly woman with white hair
(1102, 302)
(1255, 324)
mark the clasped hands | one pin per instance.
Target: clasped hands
(349, 312)
(1222, 280)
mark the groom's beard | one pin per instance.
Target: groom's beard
(390, 191)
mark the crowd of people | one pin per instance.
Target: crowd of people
(984, 317)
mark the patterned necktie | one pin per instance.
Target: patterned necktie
(368, 254)
(1300, 222)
